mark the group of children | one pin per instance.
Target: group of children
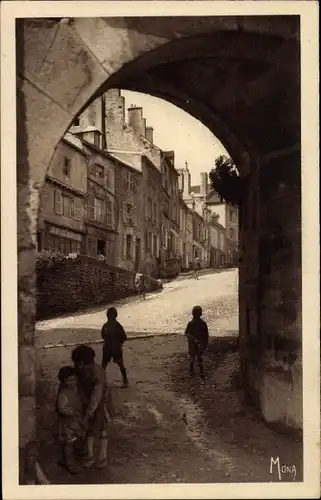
(84, 404)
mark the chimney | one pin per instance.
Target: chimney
(170, 155)
(114, 105)
(204, 184)
(136, 120)
(187, 182)
(150, 134)
(180, 180)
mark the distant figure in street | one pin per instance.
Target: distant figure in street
(97, 398)
(71, 424)
(114, 337)
(141, 286)
(197, 266)
(197, 336)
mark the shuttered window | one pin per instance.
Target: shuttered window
(58, 202)
(91, 207)
(78, 208)
(109, 212)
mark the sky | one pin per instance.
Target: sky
(174, 129)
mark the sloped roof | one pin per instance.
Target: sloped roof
(132, 160)
(213, 197)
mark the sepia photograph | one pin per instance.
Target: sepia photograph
(162, 164)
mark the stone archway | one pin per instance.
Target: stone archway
(240, 77)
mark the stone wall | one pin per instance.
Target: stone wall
(270, 293)
(67, 285)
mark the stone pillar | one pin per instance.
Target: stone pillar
(280, 291)
(27, 194)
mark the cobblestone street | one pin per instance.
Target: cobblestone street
(164, 312)
(164, 418)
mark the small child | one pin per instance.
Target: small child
(142, 290)
(98, 408)
(114, 336)
(71, 427)
(197, 335)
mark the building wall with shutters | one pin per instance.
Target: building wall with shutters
(129, 216)
(153, 201)
(56, 201)
(74, 175)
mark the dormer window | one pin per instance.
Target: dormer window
(97, 139)
(100, 172)
(76, 122)
(66, 166)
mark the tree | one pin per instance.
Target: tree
(226, 181)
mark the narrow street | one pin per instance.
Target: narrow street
(167, 427)
(164, 312)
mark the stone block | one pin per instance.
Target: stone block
(36, 113)
(281, 402)
(34, 39)
(74, 84)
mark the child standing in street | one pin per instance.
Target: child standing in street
(114, 337)
(71, 425)
(197, 336)
(142, 291)
(93, 385)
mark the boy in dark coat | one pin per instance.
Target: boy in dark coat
(197, 335)
(114, 336)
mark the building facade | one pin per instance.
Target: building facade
(151, 190)
(130, 206)
(100, 217)
(228, 218)
(63, 200)
(217, 244)
(129, 215)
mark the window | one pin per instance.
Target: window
(63, 241)
(76, 122)
(58, 202)
(99, 172)
(63, 204)
(231, 234)
(148, 241)
(99, 210)
(68, 205)
(154, 244)
(129, 181)
(110, 212)
(66, 166)
(128, 212)
(129, 246)
(154, 212)
(78, 208)
(101, 247)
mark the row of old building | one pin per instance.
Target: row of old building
(111, 193)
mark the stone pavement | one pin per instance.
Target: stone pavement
(165, 312)
(167, 427)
